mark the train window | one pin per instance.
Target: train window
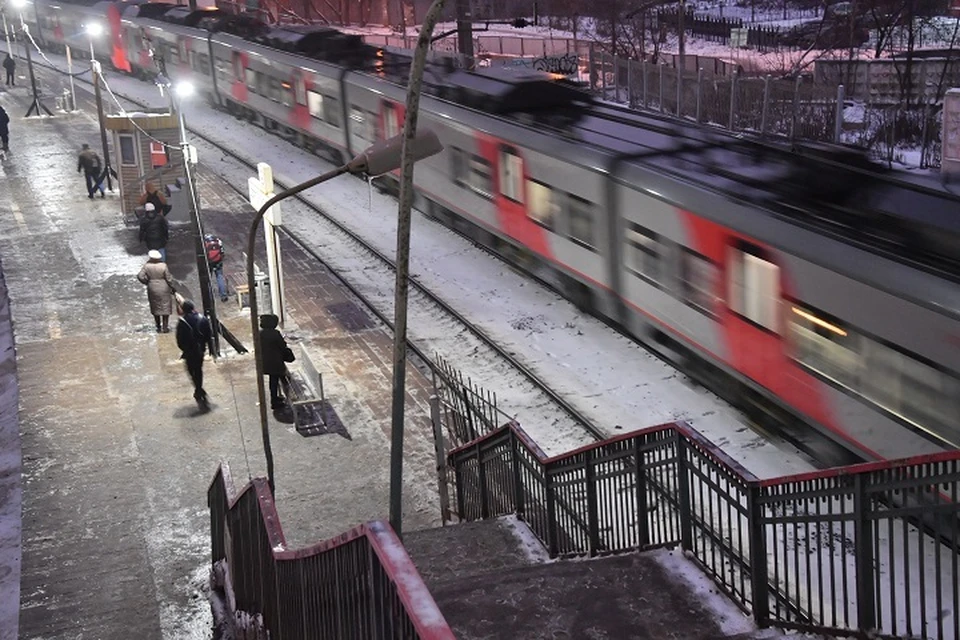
(541, 204)
(192, 60)
(581, 221)
(698, 280)
(331, 111)
(286, 94)
(300, 87)
(204, 62)
(251, 78)
(263, 84)
(755, 289)
(274, 88)
(480, 176)
(173, 53)
(183, 51)
(315, 104)
(391, 121)
(238, 74)
(823, 344)
(511, 174)
(644, 253)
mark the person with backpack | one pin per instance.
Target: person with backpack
(214, 248)
(194, 338)
(89, 162)
(152, 195)
(154, 230)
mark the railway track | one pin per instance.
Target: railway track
(441, 328)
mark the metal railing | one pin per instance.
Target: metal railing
(361, 584)
(869, 548)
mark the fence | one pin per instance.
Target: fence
(529, 47)
(359, 585)
(869, 548)
(768, 106)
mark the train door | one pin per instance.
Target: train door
(509, 198)
(755, 323)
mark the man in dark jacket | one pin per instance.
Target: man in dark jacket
(274, 350)
(194, 338)
(89, 162)
(154, 230)
(4, 129)
(9, 64)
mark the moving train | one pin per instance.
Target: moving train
(804, 280)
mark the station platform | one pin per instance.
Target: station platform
(117, 457)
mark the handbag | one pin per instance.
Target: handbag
(288, 355)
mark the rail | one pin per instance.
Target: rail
(360, 584)
(866, 549)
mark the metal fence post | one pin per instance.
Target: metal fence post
(838, 123)
(643, 69)
(640, 486)
(593, 518)
(864, 555)
(458, 480)
(630, 101)
(482, 479)
(680, 92)
(796, 103)
(733, 98)
(616, 78)
(592, 67)
(440, 449)
(661, 88)
(759, 585)
(766, 106)
(699, 94)
(683, 487)
(603, 74)
(518, 502)
(552, 543)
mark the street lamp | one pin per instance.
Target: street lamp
(94, 30)
(36, 106)
(403, 262)
(177, 93)
(380, 158)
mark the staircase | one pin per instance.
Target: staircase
(492, 579)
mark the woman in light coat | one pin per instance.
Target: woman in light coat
(160, 289)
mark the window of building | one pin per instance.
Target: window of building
(581, 221)
(541, 204)
(511, 174)
(698, 278)
(755, 288)
(128, 150)
(644, 253)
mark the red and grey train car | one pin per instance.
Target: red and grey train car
(806, 283)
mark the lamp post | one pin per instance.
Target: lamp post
(36, 106)
(177, 93)
(94, 30)
(378, 159)
(403, 263)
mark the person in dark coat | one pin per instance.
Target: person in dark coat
(273, 348)
(4, 129)
(10, 65)
(89, 162)
(154, 231)
(160, 289)
(194, 338)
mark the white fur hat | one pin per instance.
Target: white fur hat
(149, 207)
(155, 255)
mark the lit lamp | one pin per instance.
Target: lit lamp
(95, 30)
(380, 158)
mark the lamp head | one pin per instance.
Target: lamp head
(385, 156)
(183, 89)
(18, 4)
(94, 29)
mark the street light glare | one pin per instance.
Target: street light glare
(184, 89)
(94, 29)
(18, 4)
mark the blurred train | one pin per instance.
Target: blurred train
(804, 280)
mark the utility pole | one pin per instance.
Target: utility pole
(107, 169)
(36, 106)
(465, 32)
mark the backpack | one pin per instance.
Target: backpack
(214, 251)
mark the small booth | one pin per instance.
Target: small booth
(147, 149)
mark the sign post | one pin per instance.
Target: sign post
(261, 190)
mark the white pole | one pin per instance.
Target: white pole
(73, 92)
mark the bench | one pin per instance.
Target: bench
(303, 388)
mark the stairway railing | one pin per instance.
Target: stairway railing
(361, 584)
(868, 548)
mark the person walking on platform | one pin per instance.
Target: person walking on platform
(154, 231)
(4, 129)
(10, 65)
(214, 248)
(89, 162)
(275, 356)
(152, 195)
(194, 338)
(156, 276)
